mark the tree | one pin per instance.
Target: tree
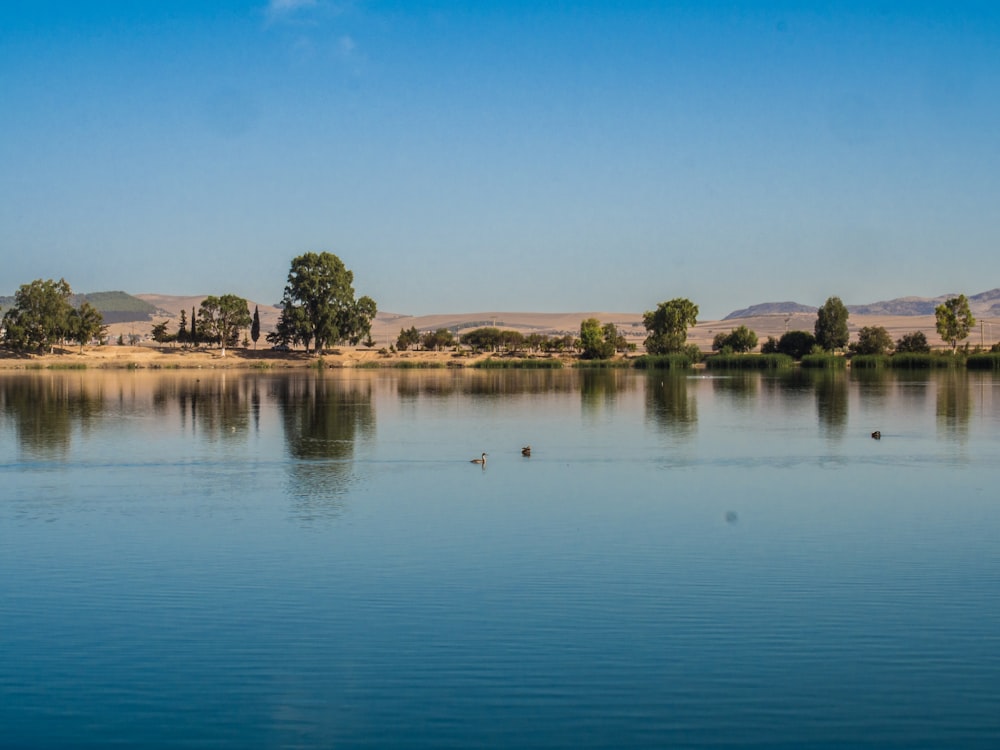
(668, 324)
(86, 324)
(740, 339)
(594, 342)
(223, 318)
(954, 320)
(362, 315)
(159, 332)
(481, 339)
(182, 327)
(320, 287)
(442, 338)
(872, 340)
(913, 343)
(40, 316)
(831, 325)
(796, 344)
(407, 338)
(255, 327)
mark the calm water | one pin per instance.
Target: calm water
(305, 560)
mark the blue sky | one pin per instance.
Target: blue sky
(465, 156)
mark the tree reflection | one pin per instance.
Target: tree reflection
(322, 420)
(600, 388)
(954, 403)
(669, 404)
(219, 407)
(740, 386)
(832, 395)
(44, 411)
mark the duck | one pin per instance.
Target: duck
(479, 460)
(877, 435)
(526, 451)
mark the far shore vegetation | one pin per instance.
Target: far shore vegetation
(319, 312)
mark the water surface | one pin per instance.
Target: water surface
(310, 560)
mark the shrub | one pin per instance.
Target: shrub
(796, 344)
(913, 343)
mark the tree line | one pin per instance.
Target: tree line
(318, 310)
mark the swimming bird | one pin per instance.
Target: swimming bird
(526, 451)
(877, 435)
(479, 460)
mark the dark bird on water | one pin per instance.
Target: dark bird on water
(877, 435)
(479, 460)
(526, 450)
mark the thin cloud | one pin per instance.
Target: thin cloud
(278, 10)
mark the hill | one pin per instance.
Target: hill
(984, 304)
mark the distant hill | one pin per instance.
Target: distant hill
(116, 307)
(984, 303)
(770, 308)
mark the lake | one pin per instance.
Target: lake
(298, 560)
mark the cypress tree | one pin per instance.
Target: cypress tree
(255, 327)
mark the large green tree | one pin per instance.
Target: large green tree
(319, 302)
(872, 340)
(594, 339)
(954, 320)
(740, 339)
(668, 324)
(831, 325)
(224, 317)
(40, 316)
(86, 323)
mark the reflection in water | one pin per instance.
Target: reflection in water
(831, 400)
(600, 388)
(412, 384)
(740, 386)
(954, 404)
(219, 408)
(322, 418)
(668, 403)
(45, 410)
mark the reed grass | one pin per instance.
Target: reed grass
(824, 362)
(410, 365)
(870, 362)
(662, 362)
(748, 362)
(490, 363)
(602, 364)
(983, 361)
(915, 361)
